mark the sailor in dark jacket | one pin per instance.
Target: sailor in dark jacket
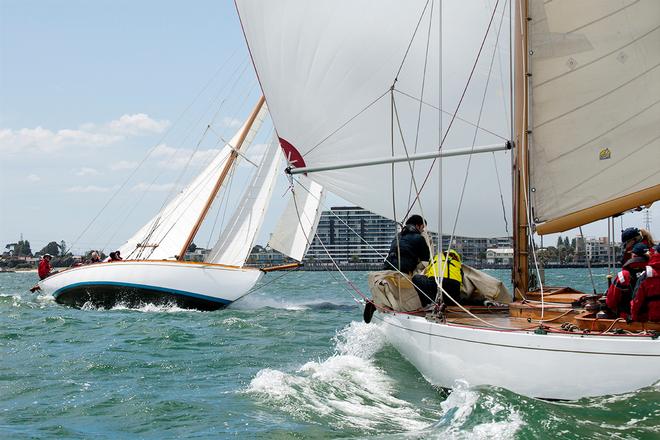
(409, 247)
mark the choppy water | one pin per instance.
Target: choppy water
(292, 360)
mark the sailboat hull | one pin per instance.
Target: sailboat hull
(550, 366)
(131, 283)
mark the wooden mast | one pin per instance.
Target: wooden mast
(230, 162)
(520, 162)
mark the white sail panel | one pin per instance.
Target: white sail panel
(238, 237)
(326, 70)
(595, 102)
(296, 228)
(165, 234)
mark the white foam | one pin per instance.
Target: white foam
(460, 405)
(346, 390)
(143, 307)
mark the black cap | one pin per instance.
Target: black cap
(629, 234)
(640, 249)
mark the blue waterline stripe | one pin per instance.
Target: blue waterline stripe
(141, 286)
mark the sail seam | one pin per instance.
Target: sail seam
(588, 103)
(606, 132)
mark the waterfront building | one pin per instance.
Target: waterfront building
(355, 236)
(500, 256)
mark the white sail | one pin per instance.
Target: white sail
(237, 239)
(595, 104)
(165, 234)
(295, 229)
(326, 70)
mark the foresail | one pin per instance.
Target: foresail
(238, 237)
(338, 75)
(165, 234)
(595, 109)
(296, 228)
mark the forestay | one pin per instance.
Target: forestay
(295, 229)
(329, 71)
(595, 107)
(165, 234)
(237, 239)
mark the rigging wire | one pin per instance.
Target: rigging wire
(460, 102)
(171, 196)
(182, 213)
(421, 97)
(189, 131)
(152, 149)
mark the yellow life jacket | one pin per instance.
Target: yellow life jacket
(452, 268)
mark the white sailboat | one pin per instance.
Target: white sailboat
(154, 270)
(355, 91)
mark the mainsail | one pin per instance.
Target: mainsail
(237, 239)
(165, 234)
(332, 100)
(295, 229)
(595, 109)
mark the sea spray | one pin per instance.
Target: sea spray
(346, 390)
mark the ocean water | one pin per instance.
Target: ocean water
(291, 360)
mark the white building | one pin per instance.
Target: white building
(503, 256)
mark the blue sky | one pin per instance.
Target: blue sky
(87, 88)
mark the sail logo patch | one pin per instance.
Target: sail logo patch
(605, 154)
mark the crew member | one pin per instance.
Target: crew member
(407, 250)
(94, 258)
(619, 294)
(452, 278)
(45, 268)
(409, 247)
(632, 236)
(645, 305)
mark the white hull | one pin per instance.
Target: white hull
(191, 285)
(550, 366)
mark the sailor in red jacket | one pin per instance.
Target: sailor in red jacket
(45, 268)
(619, 294)
(645, 305)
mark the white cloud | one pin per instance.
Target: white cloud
(47, 141)
(152, 187)
(137, 124)
(231, 122)
(91, 189)
(122, 165)
(44, 140)
(86, 171)
(33, 178)
(177, 158)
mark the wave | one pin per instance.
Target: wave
(346, 390)
(254, 302)
(170, 307)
